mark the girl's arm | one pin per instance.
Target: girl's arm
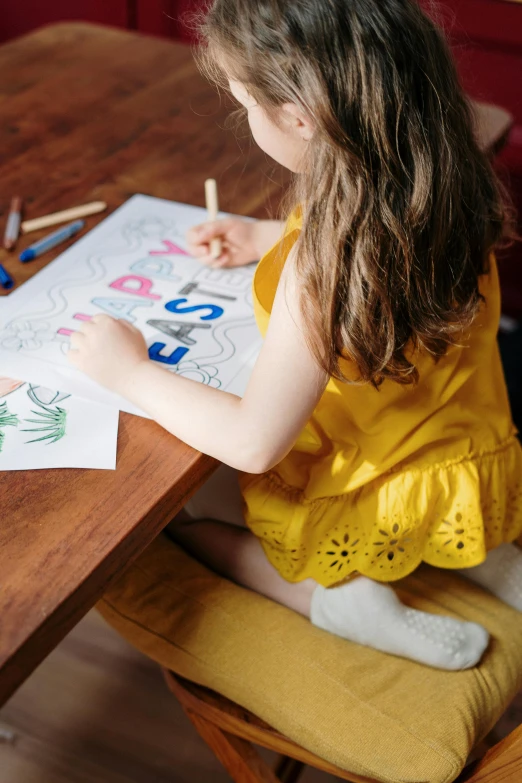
(266, 234)
(251, 434)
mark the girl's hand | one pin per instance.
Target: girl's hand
(238, 240)
(108, 350)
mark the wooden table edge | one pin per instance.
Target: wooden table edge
(62, 619)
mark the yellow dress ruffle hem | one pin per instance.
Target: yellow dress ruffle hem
(448, 515)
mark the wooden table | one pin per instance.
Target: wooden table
(93, 113)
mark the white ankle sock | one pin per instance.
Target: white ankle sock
(370, 613)
(501, 574)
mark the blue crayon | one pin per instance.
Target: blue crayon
(47, 243)
(6, 281)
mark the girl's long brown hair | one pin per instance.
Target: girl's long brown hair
(401, 208)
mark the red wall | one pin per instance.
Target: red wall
(166, 17)
(19, 16)
(486, 38)
(157, 17)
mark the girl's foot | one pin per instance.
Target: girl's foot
(370, 613)
(501, 574)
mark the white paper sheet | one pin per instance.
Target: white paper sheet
(41, 428)
(197, 321)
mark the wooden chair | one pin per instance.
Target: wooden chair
(230, 730)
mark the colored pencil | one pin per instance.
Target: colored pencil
(62, 217)
(50, 241)
(12, 228)
(6, 281)
(211, 199)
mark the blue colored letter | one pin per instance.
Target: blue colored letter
(175, 357)
(215, 310)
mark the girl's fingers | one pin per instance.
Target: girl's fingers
(124, 322)
(209, 260)
(72, 355)
(197, 251)
(101, 318)
(222, 261)
(85, 326)
(200, 237)
(76, 340)
(194, 233)
(128, 325)
(202, 250)
(206, 231)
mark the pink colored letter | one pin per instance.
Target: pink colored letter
(127, 285)
(79, 317)
(170, 248)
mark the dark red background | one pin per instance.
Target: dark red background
(486, 37)
(158, 17)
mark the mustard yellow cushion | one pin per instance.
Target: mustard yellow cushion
(369, 713)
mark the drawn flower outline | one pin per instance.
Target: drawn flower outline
(27, 335)
(204, 374)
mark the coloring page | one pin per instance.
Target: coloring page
(41, 428)
(198, 322)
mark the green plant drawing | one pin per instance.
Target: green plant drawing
(6, 420)
(53, 421)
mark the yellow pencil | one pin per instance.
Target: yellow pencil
(63, 217)
(211, 199)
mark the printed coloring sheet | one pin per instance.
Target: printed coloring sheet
(41, 428)
(197, 321)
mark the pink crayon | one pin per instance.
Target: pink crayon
(171, 248)
(79, 317)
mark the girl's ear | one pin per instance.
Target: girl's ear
(298, 120)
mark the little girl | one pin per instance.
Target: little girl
(375, 432)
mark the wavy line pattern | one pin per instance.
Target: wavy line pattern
(131, 234)
(227, 347)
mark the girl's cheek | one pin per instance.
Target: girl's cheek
(272, 140)
(256, 129)
(265, 135)
(261, 139)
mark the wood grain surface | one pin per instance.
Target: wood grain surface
(94, 113)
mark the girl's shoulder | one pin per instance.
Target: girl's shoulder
(294, 221)
(270, 267)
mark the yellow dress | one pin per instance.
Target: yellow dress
(382, 479)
